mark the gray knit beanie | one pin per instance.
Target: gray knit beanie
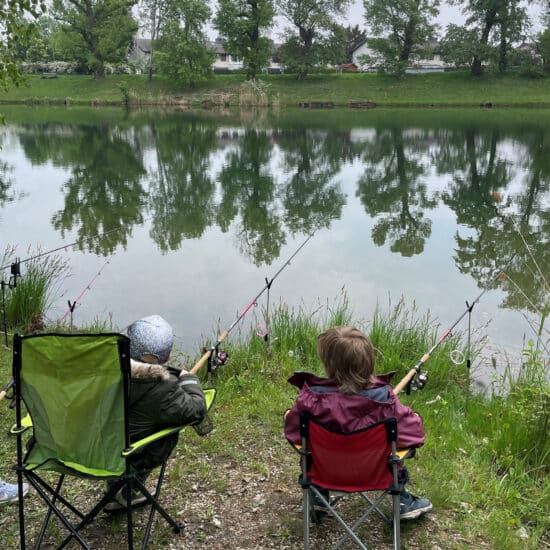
(151, 339)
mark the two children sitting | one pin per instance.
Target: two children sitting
(349, 399)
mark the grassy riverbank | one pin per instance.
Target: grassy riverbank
(238, 487)
(423, 90)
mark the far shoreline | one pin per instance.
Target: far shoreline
(361, 91)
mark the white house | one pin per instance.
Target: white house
(433, 65)
(227, 61)
(140, 51)
(223, 59)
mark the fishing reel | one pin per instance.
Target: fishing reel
(218, 358)
(419, 381)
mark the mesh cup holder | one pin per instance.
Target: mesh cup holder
(205, 426)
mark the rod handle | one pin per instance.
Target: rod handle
(404, 381)
(411, 374)
(8, 387)
(205, 356)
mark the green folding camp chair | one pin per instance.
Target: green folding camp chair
(75, 389)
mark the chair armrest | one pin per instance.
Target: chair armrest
(406, 453)
(209, 396)
(161, 434)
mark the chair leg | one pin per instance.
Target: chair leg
(396, 523)
(49, 512)
(52, 507)
(349, 531)
(129, 524)
(306, 510)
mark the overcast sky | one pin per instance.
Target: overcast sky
(447, 14)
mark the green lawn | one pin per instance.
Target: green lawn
(455, 89)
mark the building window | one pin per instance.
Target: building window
(235, 59)
(223, 57)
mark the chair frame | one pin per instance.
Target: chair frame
(394, 489)
(127, 481)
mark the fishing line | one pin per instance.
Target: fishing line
(407, 379)
(212, 355)
(72, 305)
(69, 245)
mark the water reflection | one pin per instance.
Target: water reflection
(392, 189)
(276, 179)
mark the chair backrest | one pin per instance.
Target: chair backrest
(352, 461)
(75, 387)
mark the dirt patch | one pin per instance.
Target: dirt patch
(233, 507)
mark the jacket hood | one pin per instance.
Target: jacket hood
(299, 378)
(148, 372)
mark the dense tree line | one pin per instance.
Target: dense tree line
(497, 34)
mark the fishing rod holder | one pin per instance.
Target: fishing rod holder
(15, 273)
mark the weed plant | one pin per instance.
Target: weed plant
(26, 304)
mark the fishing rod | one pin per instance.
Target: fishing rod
(72, 305)
(66, 246)
(422, 377)
(220, 357)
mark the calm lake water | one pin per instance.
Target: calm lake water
(186, 214)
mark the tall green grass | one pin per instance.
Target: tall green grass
(26, 303)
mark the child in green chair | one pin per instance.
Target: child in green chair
(160, 397)
(352, 398)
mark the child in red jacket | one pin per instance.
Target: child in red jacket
(352, 398)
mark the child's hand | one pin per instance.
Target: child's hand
(183, 372)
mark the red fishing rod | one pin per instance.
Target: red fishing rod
(408, 378)
(220, 357)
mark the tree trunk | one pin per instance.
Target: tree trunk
(99, 72)
(490, 19)
(476, 68)
(502, 54)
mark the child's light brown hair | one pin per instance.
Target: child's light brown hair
(348, 357)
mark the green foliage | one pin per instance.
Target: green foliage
(181, 51)
(459, 46)
(406, 27)
(496, 24)
(95, 32)
(543, 45)
(313, 37)
(28, 302)
(401, 337)
(39, 46)
(383, 57)
(241, 25)
(16, 31)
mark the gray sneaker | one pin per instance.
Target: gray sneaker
(9, 492)
(119, 502)
(412, 507)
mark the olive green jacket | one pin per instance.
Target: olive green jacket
(160, 399)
